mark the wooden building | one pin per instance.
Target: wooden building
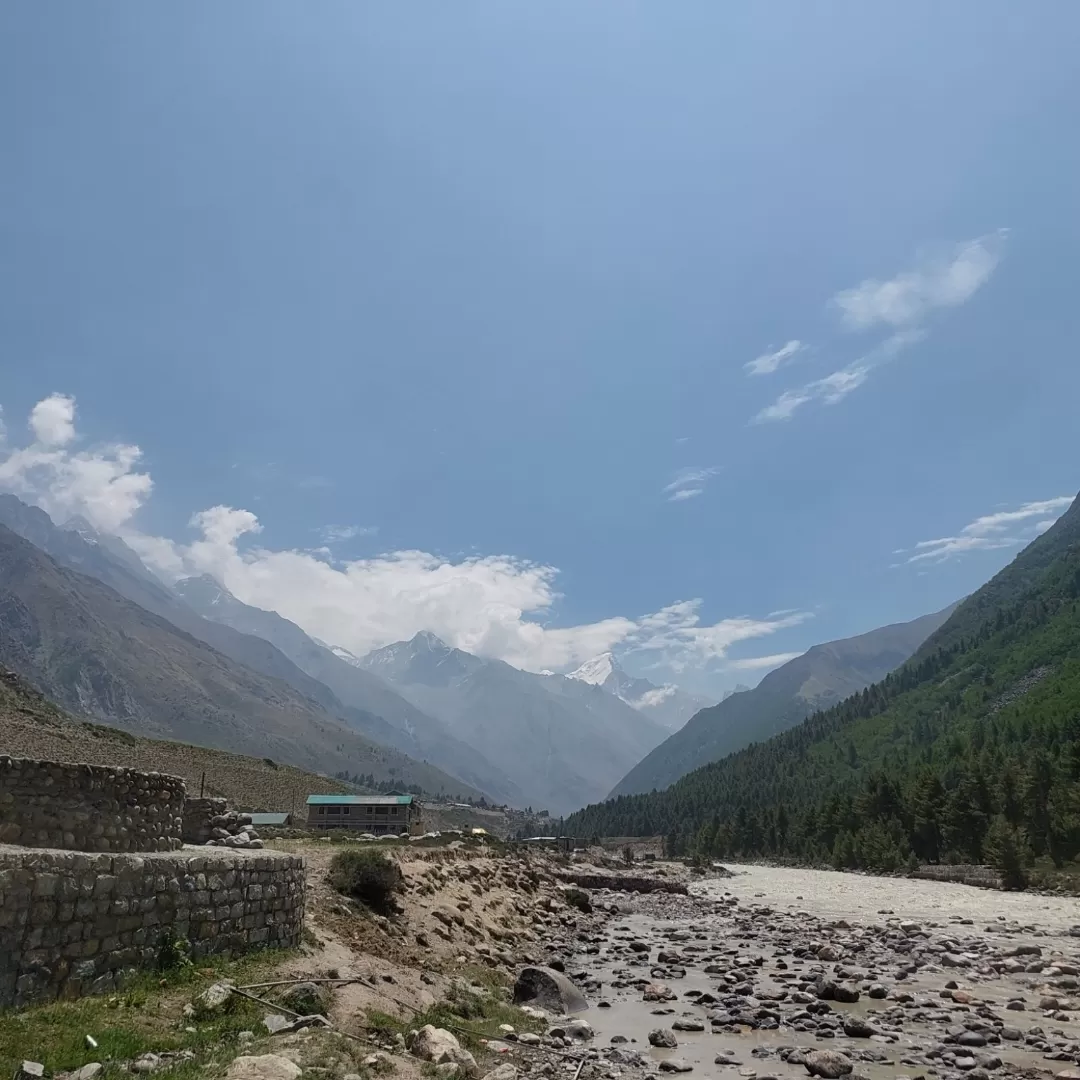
(377, 814)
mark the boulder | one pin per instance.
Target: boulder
(663, 1038)
(216, 998)
(675, 1065)
(263, 1067)
(829, 1064)
(857, 1028)
(548, 989)
(503, 1072)
(30, 1070)
(441, 1047)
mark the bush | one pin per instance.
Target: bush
(367, 875)
(578, 898)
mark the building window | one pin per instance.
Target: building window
(333, 810)
(345, 810)
(322, 810)
(393, 810)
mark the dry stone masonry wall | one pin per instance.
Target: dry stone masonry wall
(95, 881)
(73, 923)
(46, 804)
(209, 821)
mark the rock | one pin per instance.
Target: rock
(147, 1063)
(910, 927)
(971, 1038)
(1067, 1074)
(529, 1038)
(503, 1072)
(580, 1030)
(1050, 1004)
(965, 1063)
(275, 1022)
(829, 954)
(688, 1025)
(858, 1028)
(639, 946)
(88, 1072)
(549, 989)
(657, 991)
(829, 1064)
(216, 998)
(31, 1070)
(307, 999)
(675, 1065)
(877, 991)
(263, 1067)
(380, 1061)
(954, 960)
(441, 1047)
(663, 1038)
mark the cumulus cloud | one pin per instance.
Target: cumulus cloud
(768, 362)
(492, 605)
(100, 483)
(833, 388)
(908, 298)
(1002, 529)
(52, 420)
(689, 483)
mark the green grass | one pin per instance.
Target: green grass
(147, 1017)
(471, 1016)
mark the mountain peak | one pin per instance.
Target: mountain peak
(425, 639)
(598, 670)
(203, 588)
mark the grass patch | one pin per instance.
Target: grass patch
(479, 1014)
(146, 1017)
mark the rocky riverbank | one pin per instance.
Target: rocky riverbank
(786, 973)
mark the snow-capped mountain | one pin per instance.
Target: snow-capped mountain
(559, 740)
(667, 705)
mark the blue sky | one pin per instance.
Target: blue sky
(479, 285)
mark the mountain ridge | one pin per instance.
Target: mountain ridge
(821, 676)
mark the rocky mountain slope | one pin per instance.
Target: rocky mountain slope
(262, 641)
(562, 741)
(969, 751)
(404, 727)
(105, 658)
(667, 705)
(819, 678)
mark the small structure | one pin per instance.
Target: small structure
(376, 814)
(278, 821)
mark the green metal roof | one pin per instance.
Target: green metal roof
(270, 819)
(359, 800)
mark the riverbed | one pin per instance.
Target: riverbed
(933, 978)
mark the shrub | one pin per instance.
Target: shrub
(1008, 850)
(367, 875)
(578, 898)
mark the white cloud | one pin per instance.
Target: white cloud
(100, 483)
(768, 362)
(493, 605)
(991, 532)
(762, 663)
(338, 534)
(833, 388)
(52, 420)
(689, 483)
(908, 298)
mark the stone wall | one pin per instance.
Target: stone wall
(73, 923)
(46, 804)
(209, 821)
(982, 877)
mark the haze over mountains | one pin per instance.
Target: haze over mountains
(205, 667)
(667, 705)
(968, 752)
(554, 736)
(820, 677)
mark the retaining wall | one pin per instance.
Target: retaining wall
(46, 804)
(73, 923)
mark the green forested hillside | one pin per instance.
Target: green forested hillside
(970, 751)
